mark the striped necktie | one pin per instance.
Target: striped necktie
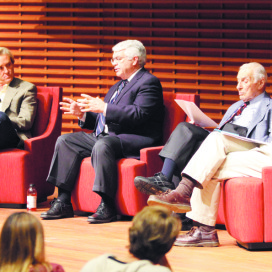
(236, 113)
(101, 118)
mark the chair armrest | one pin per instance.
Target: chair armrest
(267, 190)
(150, 156)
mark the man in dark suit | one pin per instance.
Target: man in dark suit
(17, 104)
(129, 119)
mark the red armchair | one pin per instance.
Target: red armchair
(128, 199)
(247, 208)
(19, 168)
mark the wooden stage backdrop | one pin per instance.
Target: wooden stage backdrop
(193, 46)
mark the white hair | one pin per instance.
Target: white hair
(133, 48)
(255, 69)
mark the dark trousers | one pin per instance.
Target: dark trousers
(8, 135)
(182, 144)
(71, 149)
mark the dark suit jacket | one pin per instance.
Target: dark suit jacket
(261, 125)
(20, 106)
(136, 116)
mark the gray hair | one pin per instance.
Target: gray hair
(5, 51)
(133, 48)
(256, 69)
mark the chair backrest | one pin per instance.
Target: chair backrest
(173, 113)
(48, 99)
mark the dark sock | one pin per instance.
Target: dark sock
(185, 187)
(168, 169)
(206, 228)
(196, 183)
(107, 200)
(64, 195)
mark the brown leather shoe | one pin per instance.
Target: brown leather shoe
(198, 238)
(172, 200)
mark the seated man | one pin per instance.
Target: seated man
(17, 104)
(186, 138)
(129, 119)
(220, 157)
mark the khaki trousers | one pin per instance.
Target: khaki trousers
(219, 158)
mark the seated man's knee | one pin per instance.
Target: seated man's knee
(101, 146)
(62, 139)
(183, 127)
(3, 117)
(215, 136)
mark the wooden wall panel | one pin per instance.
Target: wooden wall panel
(193, 46)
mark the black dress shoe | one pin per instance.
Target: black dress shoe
(154, 185)
(104, 214)
(186, 223)
(58, 210)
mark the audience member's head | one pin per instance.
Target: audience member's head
(153, 232)
(252, 78)
(22, 244)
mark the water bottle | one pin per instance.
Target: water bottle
(31, 198)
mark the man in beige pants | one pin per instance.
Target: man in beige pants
(219, 157)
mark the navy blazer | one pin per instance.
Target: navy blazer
(136, 117)
(260, 127)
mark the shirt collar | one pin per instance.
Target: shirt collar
(132, 76)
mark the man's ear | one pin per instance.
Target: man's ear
(261, 84)
(135, 60)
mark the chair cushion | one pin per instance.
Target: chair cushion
(44, 100)
(243, 209)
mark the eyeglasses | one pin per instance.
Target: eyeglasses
(117, 59)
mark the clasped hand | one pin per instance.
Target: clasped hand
(86, 104)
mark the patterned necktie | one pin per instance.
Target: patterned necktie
(236, 113)
(101, 118)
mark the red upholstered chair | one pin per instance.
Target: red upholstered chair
(128, 199)
(247, 206)
(19, 168)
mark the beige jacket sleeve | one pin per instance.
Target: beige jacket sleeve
(20, 105)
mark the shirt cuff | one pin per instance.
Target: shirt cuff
(105, 109)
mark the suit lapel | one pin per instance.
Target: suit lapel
(130, 84)
(261, 113)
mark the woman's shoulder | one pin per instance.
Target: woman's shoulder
(108, 262)
(56, 267)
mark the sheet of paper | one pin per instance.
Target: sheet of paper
(196, 114)
(240, 137)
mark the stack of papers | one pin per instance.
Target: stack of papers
(195, 114)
